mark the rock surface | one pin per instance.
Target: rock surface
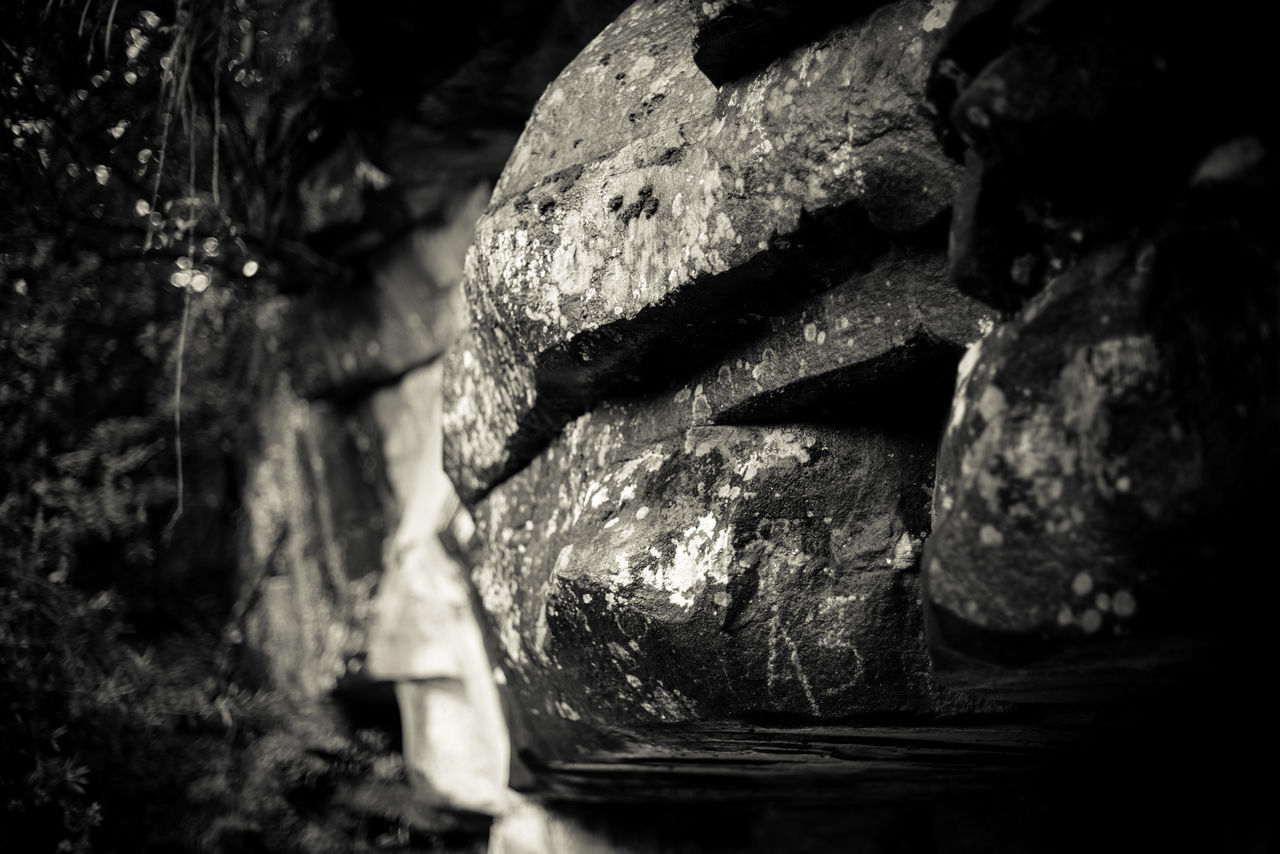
(745, 291)
(313, 544)
(721, 572)
(680, 210)
(404, 315)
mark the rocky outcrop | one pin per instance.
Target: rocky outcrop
(729, 543)
(714, 328)
(711, 343)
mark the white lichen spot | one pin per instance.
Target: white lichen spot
(1123, 484)
(701, 406)
(641, 67)
(991, 404)
(634, 681)
(623, 577)
(989, 535)
(586, 598)
(810, 332)
(1124, 604)
(642, 512)
(1103, 602)
(599, 495)
(1091, 621)
(905, 552)
(728, 492)
(1082, 584)
(938, 15)
(700, 555)
(566, 711)
(1065, 617)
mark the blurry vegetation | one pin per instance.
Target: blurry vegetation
(150, 155)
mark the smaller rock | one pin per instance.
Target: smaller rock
(1097, 456)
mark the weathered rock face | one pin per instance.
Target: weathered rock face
(313, 541)
(1101, 442)
(403, 315)
(745, 290)
(651, 566)
(677, 210)
(715, 574)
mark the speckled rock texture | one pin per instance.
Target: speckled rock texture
(710, 575)
(644, 213)
(652, 567)
(1103, 440)
(711, 343)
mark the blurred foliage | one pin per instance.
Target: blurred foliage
(151, 157)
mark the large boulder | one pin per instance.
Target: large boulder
(710, 347)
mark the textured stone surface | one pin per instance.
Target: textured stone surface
(403, 315)
(313, 542)
(879, 349)
(1100, 446)
(1099, 449)
(857, 346)
(614, 257)
(724, 571)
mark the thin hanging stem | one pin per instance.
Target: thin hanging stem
(106, 34)
(177, 406)
(217, 99)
